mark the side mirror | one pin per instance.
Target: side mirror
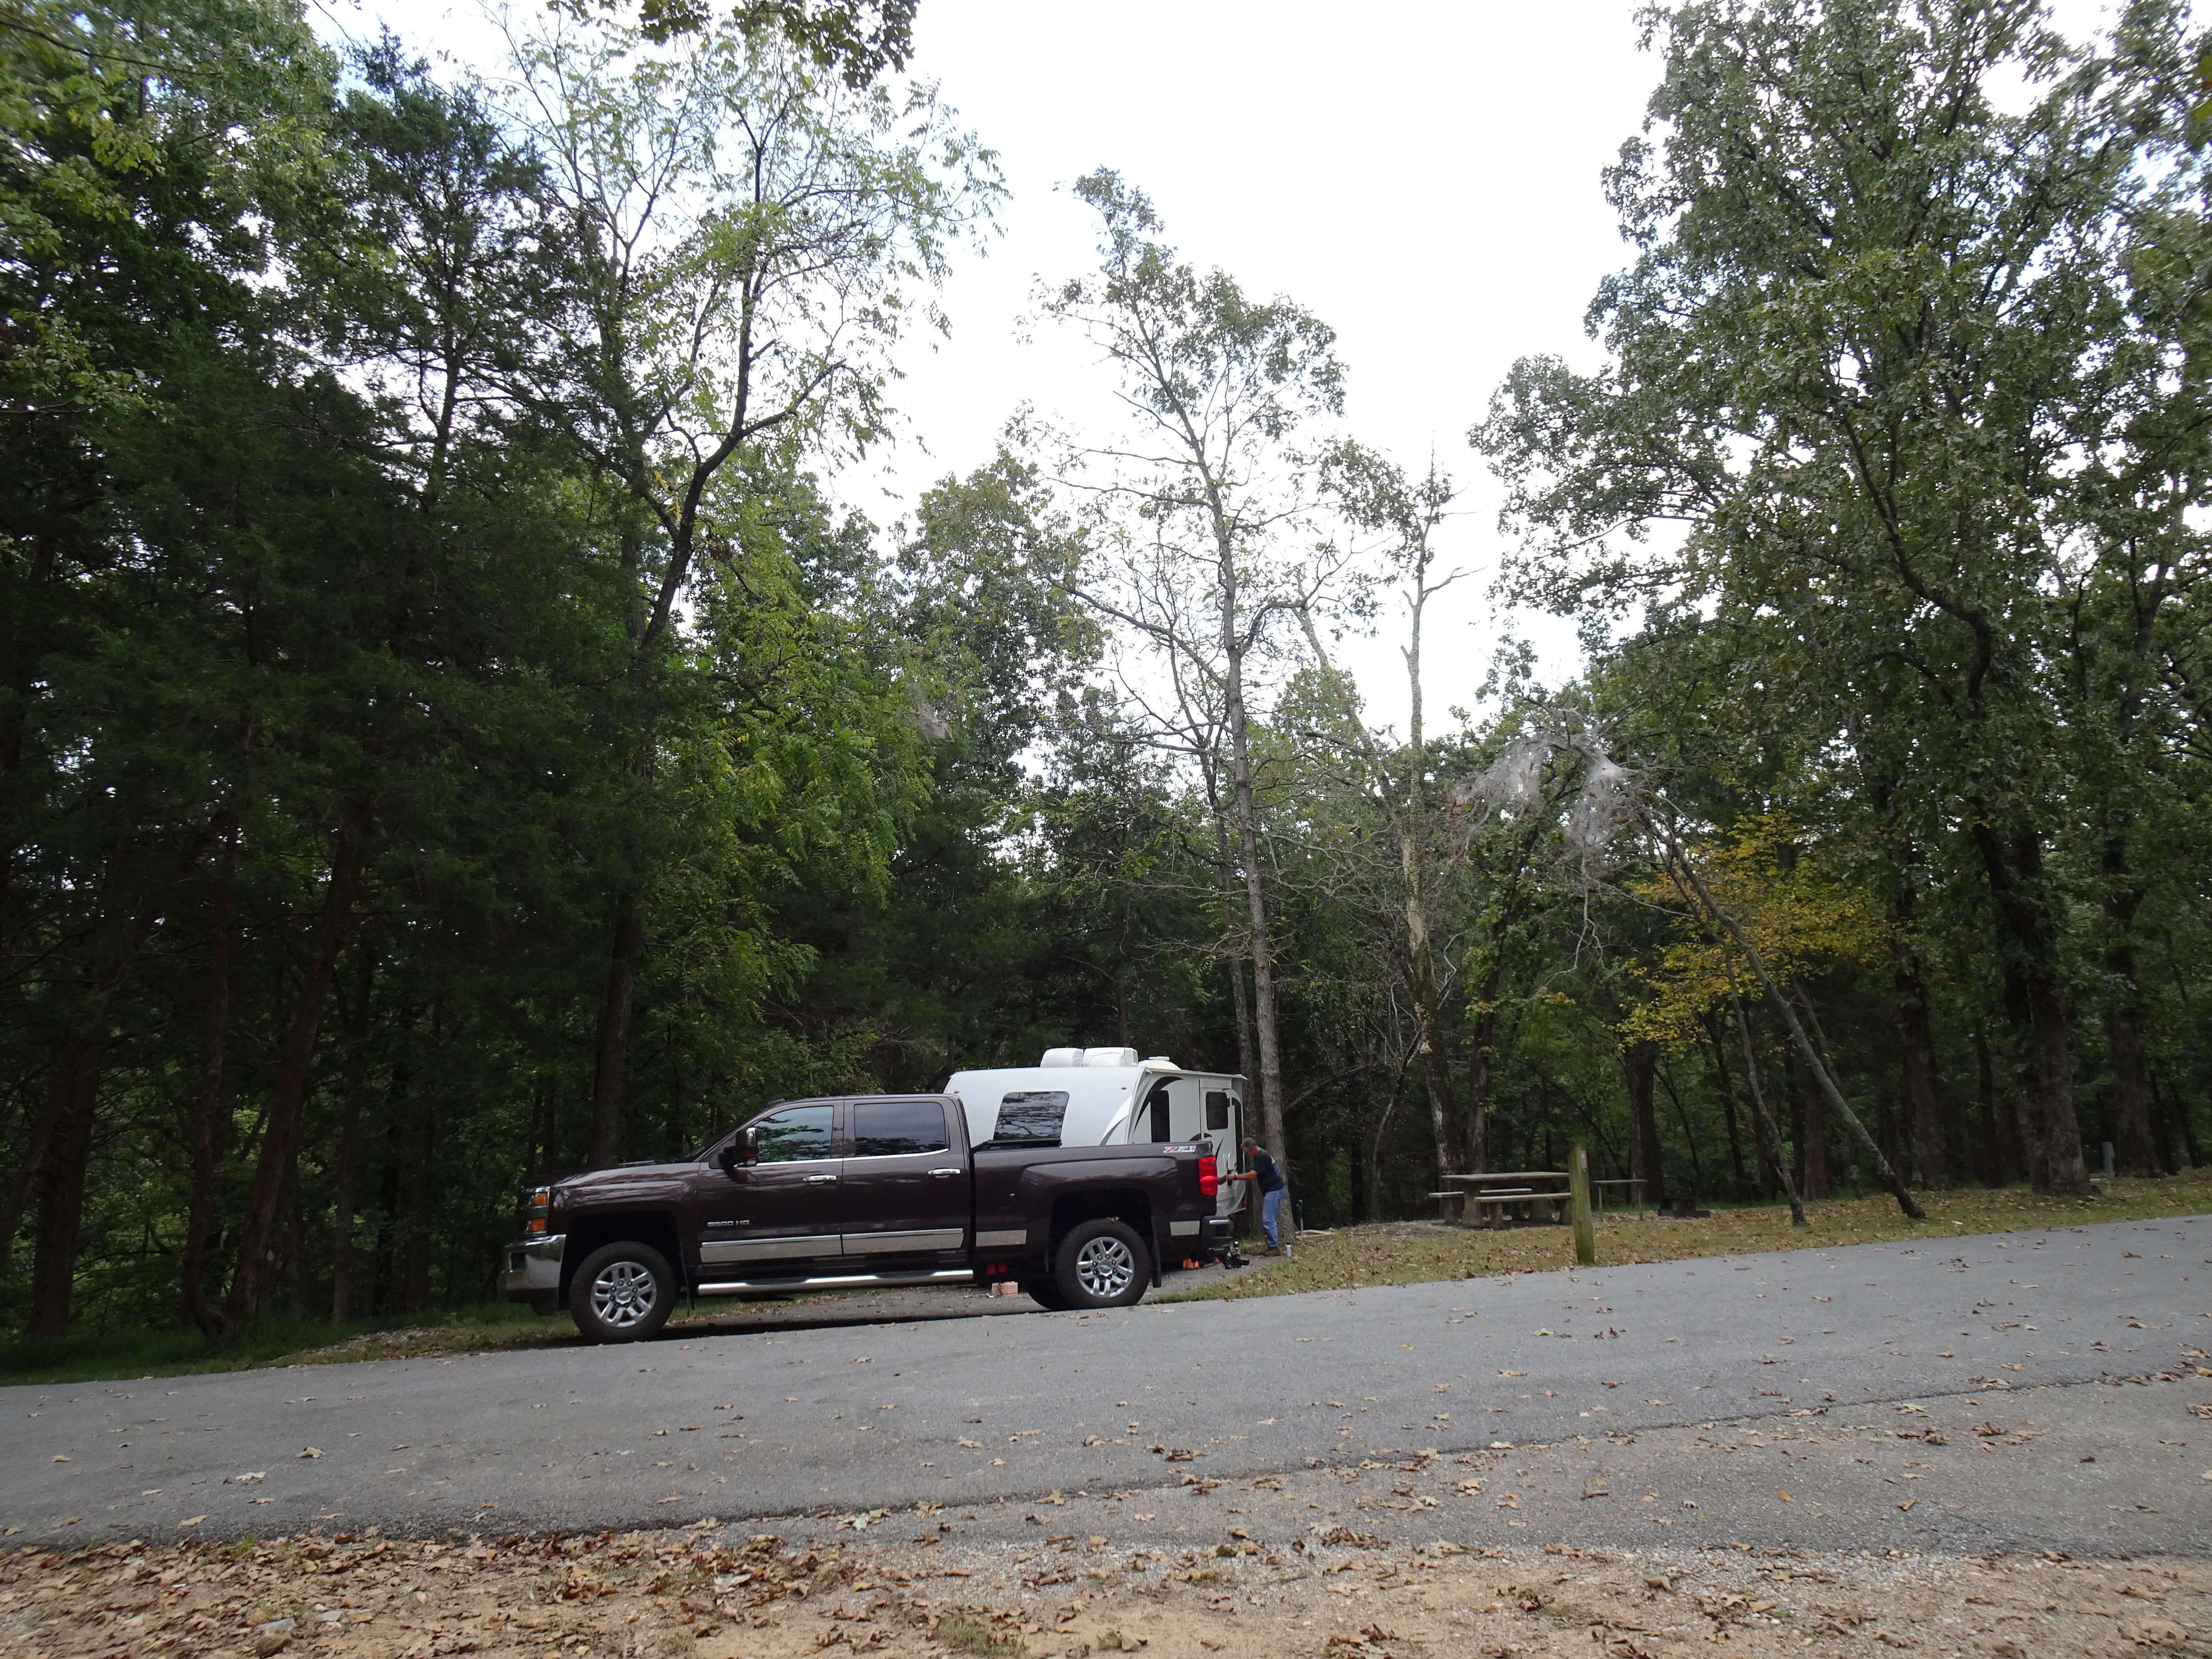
(739, 1153)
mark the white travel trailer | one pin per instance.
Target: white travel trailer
(1110, 1098)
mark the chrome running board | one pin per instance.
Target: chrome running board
(836, 1281)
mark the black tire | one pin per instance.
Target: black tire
(1045, 1294)
(1101, 1264)
(621, 1293)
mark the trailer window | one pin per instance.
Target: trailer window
(1033, 1116)
(1217, 1109)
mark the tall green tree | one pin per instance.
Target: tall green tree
(744, 240)
(1202, 509)
(1866, 328)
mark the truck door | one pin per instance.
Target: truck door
(904, 1190)
(778, 1215)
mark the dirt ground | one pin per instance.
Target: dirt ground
(703, 1593)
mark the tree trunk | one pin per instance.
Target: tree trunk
(1832, 1092)
(1477, 1087)
(345, 1179)
(1724, 1085)
(385, 1296)
(1371, 1175)
(1770, 1138)
(1434, 1075)
(249, 1279)
(2133, 1146)
(20, 652)
(1812, 1130)
(1232, 898)
(1641, 1061)
(52, 1108)
(58, 1226)
(2134, 1149)
(422, 1199)
(1483, 1006)
(1412, 826)
(1689, 1139)
(1815, 1051)
(1242, 1005)
(2035, 1005)
(2180, 1141)
(1937, 1136)
(610, 1050)
(192, 1269)
(1408, 814)
(292, 1206)
(1996, 1166)
(1933, 1128)
(1261, 948)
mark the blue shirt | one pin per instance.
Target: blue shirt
(1271, 1178)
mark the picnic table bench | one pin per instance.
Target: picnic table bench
(1497, 1193)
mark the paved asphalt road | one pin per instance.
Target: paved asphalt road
(1611, 1403)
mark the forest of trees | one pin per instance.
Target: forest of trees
(450, 730)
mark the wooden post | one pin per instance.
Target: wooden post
(1578, 1190)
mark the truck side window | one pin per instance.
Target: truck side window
(790, 1137)
(892, 1128)
(1031, 1116)
(1217, 1109)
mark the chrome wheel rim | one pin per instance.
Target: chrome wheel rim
(1105, 1266)
(624, 1293)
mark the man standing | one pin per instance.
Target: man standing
(1262, 1169)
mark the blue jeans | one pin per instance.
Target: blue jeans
(1271, 1205)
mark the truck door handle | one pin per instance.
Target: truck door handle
(817, 1179)
(945, 1172)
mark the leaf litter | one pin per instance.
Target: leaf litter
(698, 1593)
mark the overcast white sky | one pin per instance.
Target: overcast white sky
(1424, 176)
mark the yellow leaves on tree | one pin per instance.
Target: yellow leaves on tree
(1784, 893)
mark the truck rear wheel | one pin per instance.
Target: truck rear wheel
(621, 1293)
(1101, 1264)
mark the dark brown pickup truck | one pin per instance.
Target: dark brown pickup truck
(875, 1189)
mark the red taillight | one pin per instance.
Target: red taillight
(1209, 1177)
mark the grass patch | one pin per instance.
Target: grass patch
(89, 1356)
(1395, 1253)
(176, 1350)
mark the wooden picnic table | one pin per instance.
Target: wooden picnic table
(1634, 1183)
(1499, 1190)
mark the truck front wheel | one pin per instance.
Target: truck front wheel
(1101, 1264)
(621, 1293)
